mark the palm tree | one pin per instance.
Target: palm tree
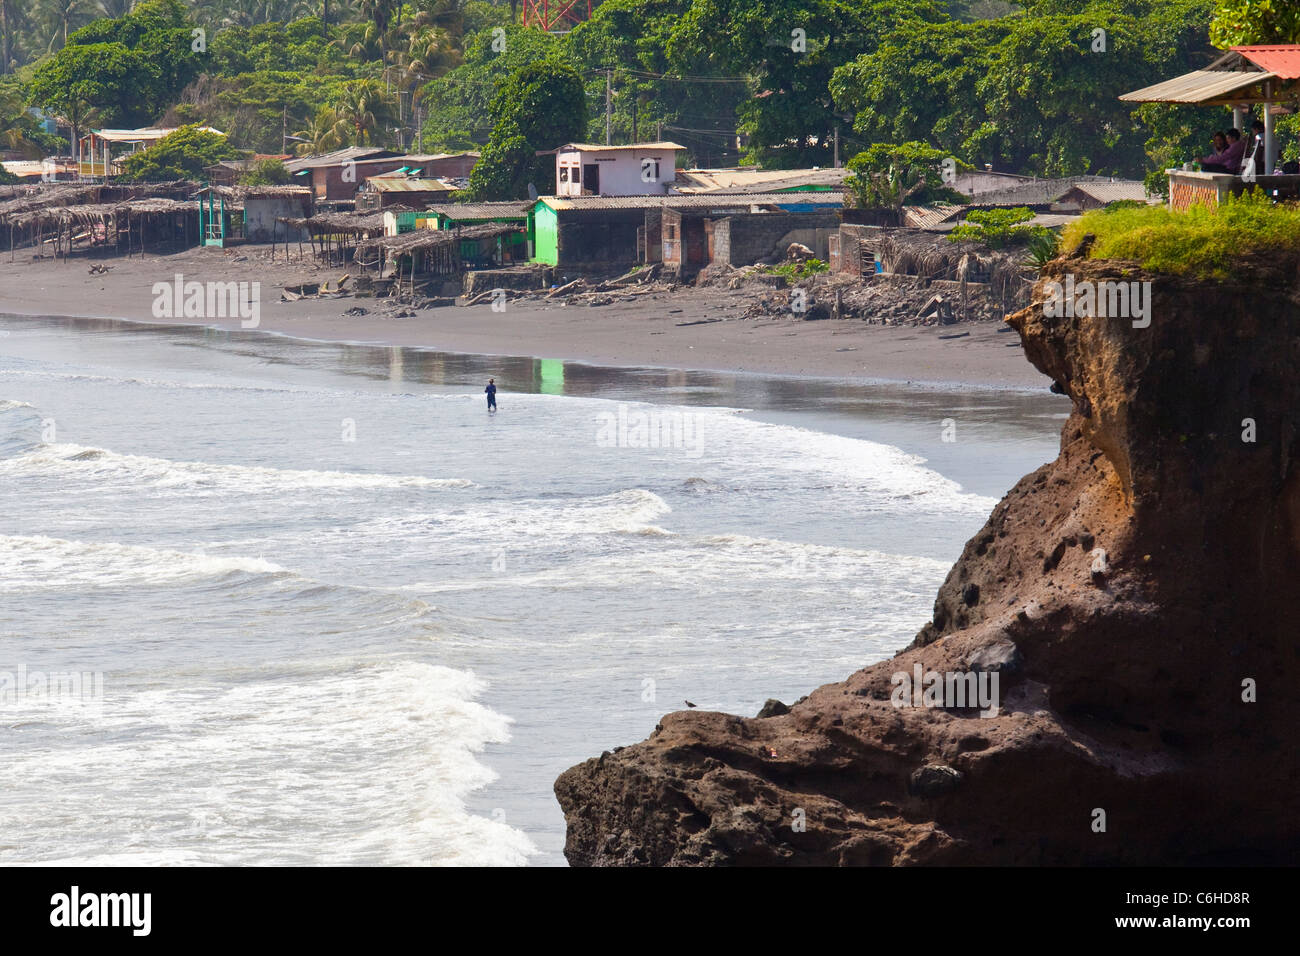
(14, 126)
(380, 13)
(320, 133)
(62, 16)
(363, 110)
(12, 18)
(282, 11)
(324, 7)
(116, 8)
(369, 46)
(234, 13)
(448, 14)
(430, 52)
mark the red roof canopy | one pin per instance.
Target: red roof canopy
(1282, 59)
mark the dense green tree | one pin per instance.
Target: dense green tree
(266, 172)
(102, 82)
(458, 104)
(184, 154)
(540, 107)
(160, 60)
(631, 37)
(1247, 22)
(888, 176)
(1036, 93)
(789, 49)
(262, 81)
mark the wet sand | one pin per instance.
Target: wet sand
(689, 329)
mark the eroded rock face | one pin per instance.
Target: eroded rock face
(1122, 595)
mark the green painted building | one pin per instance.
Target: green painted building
(514, 247)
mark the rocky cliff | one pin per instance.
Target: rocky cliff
(1133, 597)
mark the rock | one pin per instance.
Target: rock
(773, 708)
(934, 780)
(1126, 697)
(1099, 568)
(1002, 657)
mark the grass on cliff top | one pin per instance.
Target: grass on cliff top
(1204, 241)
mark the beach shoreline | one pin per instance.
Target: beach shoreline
(690, 329)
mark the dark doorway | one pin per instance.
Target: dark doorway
(591, 178)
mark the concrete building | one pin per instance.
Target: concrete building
(640, 169)
(607, 233)
(975, 182)
(336, 177)
(696, 237)
(252, 213)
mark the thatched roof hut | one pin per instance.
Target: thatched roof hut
(86, 213)
(431, 238)
(933, 256)
(52, 195)
(339, 223)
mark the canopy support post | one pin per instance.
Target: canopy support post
(1270, 142)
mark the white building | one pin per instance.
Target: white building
(640, 169)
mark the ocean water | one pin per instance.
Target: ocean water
(329, 611)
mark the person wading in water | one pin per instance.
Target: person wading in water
(491, 394)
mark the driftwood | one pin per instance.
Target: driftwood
(481, 297)
(564, 288)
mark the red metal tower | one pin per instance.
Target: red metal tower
(557, 16)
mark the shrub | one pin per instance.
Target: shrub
(1205, 241)
(996, 227)
(796, 270)
(266, 172)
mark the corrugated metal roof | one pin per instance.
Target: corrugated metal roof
(1199, 86)
(1036, 192)
(383, 184)
(928, 217)
(1113, 192)
(755, 180)
(482, 210)
(348, 153)
(694, 200)
(1280, 59)
(601, 148)
(146, 134)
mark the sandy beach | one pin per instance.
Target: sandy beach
(686, 329)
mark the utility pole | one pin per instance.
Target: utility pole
(609, 103)
(284, 129)
(837, 144)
